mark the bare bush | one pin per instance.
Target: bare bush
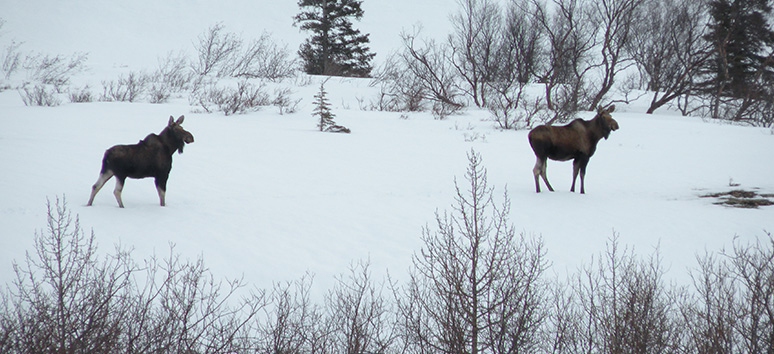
(81, 95)
(570, 35)
(669, 61)
(733, 309)
(294, 324)
(67, 299)
(39, 95)
(431, 75)
(55, 70)
(263, 59)
(361, 317)
(517, 56)
(12, 59)
(478, 29)
(623, 306)
(475, 286)
(616, 19)
(159, 93)
(401, 90)
(512, 111)
(215, 49)
(129, 88)
(225, 55)
(245, 97)
(283, 101)
(183, 309)
(64, 299)
(173, 72)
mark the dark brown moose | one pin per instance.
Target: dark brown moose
(151, 157)
(576, 141)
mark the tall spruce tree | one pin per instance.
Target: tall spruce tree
(742, 37)
(335, 47)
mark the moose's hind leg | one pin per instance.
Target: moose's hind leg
(545, 176)
(540, 171)
(103, 177)
(537, 171)
(117, 191)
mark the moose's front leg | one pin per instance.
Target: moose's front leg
(583, 175)
(579, 166)
(161, 187)
(575, 169)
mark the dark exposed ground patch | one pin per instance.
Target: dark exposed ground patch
(740, 198)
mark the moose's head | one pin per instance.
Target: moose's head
(180, 134)
(606, 121)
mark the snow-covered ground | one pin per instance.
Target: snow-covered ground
(266, 196)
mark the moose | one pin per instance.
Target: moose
(576, 141)
(151, 157)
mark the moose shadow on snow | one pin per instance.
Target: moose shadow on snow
(151, 157)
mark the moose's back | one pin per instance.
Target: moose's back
(148, 158)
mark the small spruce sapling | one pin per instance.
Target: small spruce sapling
(322, 110)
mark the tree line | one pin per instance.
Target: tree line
(526, 61)
(476, 286)
(711, 58)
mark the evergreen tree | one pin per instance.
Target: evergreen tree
(322, 109)
(335, 47)
(740, 34)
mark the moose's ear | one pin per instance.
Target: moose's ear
(180, 120)
(611, 108)
(171, 121)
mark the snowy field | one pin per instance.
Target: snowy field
(265, 196)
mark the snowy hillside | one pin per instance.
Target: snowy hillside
(266, 196)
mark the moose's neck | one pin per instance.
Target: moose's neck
(170, 141)
(597, 129)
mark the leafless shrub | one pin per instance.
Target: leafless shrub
(225, 55)
(215, 49)
(754, 104)
(159, 93)
(400, 89)
(475, 286)
(293, 323)
(616, 20)
(229, 100)
(67, 299)
(517, 53)
(284, 102)
(425, 74)
(174, 72)
(64, 299)
(733, 309)
(570, 36)
(129, 88)
(711, 313)
(361, 317)
(181, 308)
(263, 59)
(55, 70)
(669, 61)
(81, 95)
(478, 31)
(12, 59)
(623, 306)
(512, 111)
(39, 95)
